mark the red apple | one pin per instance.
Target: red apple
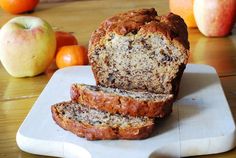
(215, 18)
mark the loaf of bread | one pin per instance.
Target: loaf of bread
(138, 59)
(139, 50)
(123, 102)
(95, 124)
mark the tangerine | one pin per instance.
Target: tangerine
(65, 39)
(18, 6)
(184, 8)
(71, 55)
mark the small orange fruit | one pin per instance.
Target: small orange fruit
(18, 6)
(184, 8)
(65, 39)
(71, 55)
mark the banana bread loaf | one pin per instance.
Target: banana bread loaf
(124, 102)
(139, 50)
(95, 124)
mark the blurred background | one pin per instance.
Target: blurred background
(212, 37)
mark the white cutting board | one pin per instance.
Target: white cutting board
(201, 122)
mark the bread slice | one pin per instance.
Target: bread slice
(95, 124)
(139, 50)
(123, 102)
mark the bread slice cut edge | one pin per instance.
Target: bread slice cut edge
(104, 132)
(159, 106)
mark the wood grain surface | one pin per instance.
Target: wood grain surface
(17, 95)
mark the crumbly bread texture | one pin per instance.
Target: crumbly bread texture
(95, 124)
(123, 102)
(139, 50)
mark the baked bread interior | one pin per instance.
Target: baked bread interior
(139, 50)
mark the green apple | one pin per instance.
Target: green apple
(27, 46)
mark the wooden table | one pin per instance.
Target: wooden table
(17, 95)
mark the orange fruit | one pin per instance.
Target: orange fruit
(183, 8)
(18, 6)
(71, 55)
(65, 39)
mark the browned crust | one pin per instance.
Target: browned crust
(176, 81)
(97, 133)
(114, 103)
(147, 21)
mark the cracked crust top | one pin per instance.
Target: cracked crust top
(146, 21)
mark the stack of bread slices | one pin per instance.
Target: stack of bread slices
(138, 59)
